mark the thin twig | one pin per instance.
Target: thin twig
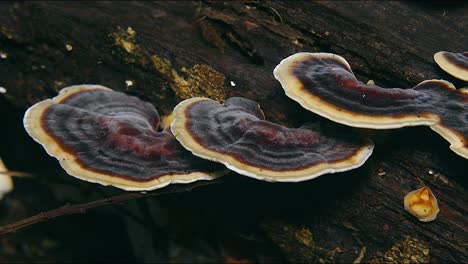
(82, 208)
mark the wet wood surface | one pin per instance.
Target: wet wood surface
(164, 52)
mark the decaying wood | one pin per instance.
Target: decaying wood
(164, 52)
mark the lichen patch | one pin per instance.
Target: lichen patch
(199, 80)
(410, 250)
(125, 39)
(186, 82)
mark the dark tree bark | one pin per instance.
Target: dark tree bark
(175, 50)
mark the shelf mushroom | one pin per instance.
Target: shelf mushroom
(237, 135)
(108, 137)
(325, 84)
(456, 64)
(6, 183)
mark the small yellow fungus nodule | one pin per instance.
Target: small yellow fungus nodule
(422, 204)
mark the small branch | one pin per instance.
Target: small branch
(82, 208)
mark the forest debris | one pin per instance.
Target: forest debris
(129, 83)
(59, 85)
(7, 32)
(229, 33)
(381, 172)
(411, 250)
(439, 177)
(245, 46)
(297, 43)
(286, 236)
(349, 226)
(360, 256)
(297, 243)
(249, 25)
(126, 39)
(225, 17)
(127, 42)
(442, 179)
(68, 47)
(210, 35)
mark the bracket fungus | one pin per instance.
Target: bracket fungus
(422, 204)
(237, 135)
(325, 84)
(111, 138)
(6, 183)
(455, 64)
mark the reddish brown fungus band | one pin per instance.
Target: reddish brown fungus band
(236, 135)
(110, 138)
(325, 84)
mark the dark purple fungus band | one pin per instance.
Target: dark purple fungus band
(456, 64)
(108, 137)
(236, 135)
(324, 84)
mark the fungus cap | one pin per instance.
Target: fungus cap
(236, 135)
(455, 64)
(422, 204)
(108, 137)
(6, 183)
(325, 84)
